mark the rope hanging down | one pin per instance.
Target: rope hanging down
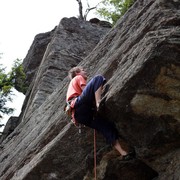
(95, 174)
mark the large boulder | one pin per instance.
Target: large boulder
(140, 59)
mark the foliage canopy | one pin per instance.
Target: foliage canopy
(5, 92)
(112, 10)
(14, 79)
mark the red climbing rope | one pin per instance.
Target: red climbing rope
(95, 175)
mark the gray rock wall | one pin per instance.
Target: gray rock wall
(72, 41)
(35, 54)
(140, 59)
(9, 127)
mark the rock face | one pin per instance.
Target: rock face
(35, 54)
(70, 42)
(140, 58)
(9, 128)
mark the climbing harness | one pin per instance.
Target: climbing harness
(68, 108)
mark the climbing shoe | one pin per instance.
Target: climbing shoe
(127, 157)
(131, 155)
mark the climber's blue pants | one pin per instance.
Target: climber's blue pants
(84, 110)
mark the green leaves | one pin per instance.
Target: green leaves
(5, 82)
(112, 10)
(14, 79)
(18, 77)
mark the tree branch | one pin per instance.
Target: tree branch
(87, 12)
(80, 9)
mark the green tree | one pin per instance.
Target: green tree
(17, 76)
(5, 92)
(112, 10)
(14, 79)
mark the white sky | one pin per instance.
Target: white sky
(22, 20)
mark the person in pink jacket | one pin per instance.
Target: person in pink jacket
(85, 99)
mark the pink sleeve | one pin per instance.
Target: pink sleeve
(81, 81)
